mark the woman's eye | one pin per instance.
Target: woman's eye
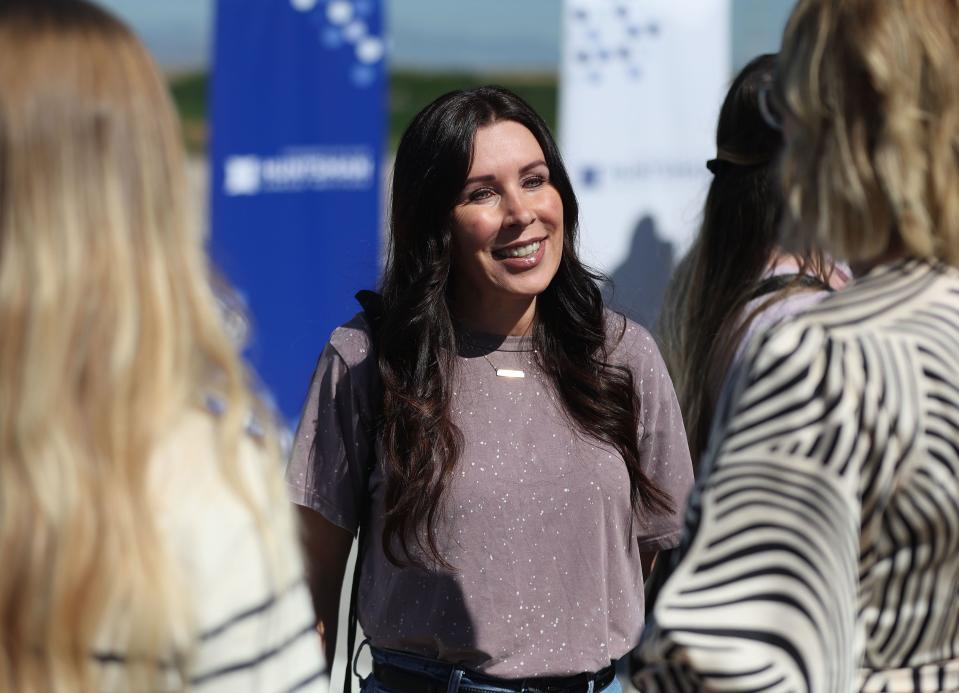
(480, 195)
(534, 181)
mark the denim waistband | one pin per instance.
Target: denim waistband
(455, 677)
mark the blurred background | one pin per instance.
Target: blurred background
(305, 101)
(434, 46)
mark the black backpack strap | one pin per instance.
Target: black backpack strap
(351, 617)
(778, 282)
(373, 309)
(372, 304)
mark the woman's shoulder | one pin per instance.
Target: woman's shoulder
(209, 505)
(353, 341)
(629, 341)
(188, 465)
(204, 499)
(879, 308)
(765, 317)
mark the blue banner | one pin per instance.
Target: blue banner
(298, 103)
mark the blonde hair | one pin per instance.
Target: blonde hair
(870, 92)
(110, 333)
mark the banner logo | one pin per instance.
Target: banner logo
(296, 171)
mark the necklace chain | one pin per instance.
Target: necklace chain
(500, 372)
(491, 364)
(505, 372)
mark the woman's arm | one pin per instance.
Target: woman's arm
(663, 451)
(327, 549)
(329, 469)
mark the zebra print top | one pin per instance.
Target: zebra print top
(822, 545)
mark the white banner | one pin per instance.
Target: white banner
(641, 86)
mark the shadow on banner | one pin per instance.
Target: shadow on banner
(638, 285)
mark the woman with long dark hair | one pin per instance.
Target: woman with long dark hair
(517, 449)
(736, 280)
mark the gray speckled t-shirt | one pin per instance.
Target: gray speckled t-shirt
(547, 580)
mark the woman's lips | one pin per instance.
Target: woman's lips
(522, 257)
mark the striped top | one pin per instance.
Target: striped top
(822, 547)
(252, 623)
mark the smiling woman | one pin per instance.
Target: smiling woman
(517, 449)
(507, 232)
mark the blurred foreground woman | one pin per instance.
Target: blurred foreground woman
(145, 537)
(822, 551)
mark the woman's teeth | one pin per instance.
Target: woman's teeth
(520, 251)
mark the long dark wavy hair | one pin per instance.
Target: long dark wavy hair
(417, 343)
(702, 320)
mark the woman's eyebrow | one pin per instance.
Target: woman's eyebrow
(490, 177)
(480, 179)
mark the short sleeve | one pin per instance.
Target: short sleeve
(663, 449)
(333, 449)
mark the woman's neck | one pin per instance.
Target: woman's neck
(514, 318)
(782, 258)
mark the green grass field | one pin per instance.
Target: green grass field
(409, 92)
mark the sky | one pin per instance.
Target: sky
(177, 32)
(492, 35)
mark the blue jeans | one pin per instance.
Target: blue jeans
(440, 671)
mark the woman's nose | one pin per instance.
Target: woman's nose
(518, 211)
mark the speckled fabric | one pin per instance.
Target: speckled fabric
(536, 523)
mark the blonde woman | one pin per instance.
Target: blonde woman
(145, 537)
(822, 550)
